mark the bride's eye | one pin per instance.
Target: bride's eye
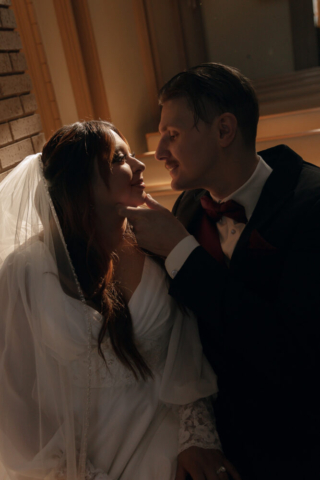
(118, 157)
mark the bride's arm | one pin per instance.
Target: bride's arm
(198, 426)
(200, 451)
(188, 377)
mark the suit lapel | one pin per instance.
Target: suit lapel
(190, 209)
(279, 188)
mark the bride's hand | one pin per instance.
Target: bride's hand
(204, 464)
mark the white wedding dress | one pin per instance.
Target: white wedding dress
(134, 425)
(65, 413)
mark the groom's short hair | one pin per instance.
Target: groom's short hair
(212, 89)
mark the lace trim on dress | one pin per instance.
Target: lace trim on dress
(198, 426)
(91, 473)
(112, 373)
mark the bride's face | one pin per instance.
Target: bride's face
(124, 184)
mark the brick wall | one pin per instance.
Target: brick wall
(20, 125)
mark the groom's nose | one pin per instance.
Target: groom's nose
(162, 152)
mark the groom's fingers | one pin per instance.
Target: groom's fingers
(156, 229)
(233, 473)
(129, 212)
(139, 216)
(153, 204)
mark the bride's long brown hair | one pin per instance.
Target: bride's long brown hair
(68, 162)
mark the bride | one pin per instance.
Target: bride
(101, 374)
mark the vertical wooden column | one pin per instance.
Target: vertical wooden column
(78, 40)
(72, 49)
(304, 37)
(91, 59)
(192, 32)
(189, 32)
(149, 54)
(180, 35)
(182, 23)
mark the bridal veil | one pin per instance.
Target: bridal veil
(36, 401)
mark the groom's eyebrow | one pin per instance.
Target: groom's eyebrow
(167, 126)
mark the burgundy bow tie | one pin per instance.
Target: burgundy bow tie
(230, 209)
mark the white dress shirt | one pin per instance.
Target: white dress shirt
(229, 230)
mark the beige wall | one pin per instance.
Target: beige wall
(122, 69)
(253, 35)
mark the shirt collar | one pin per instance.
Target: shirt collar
(248, 194)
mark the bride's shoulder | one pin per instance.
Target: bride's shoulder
(33, 253)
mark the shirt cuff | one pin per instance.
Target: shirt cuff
(179, 255)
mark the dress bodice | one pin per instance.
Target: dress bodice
(153, 312)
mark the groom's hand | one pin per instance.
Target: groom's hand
(156, 229)
(201, 464)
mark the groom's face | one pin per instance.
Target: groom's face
(190, 152)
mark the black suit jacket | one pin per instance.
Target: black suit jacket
(259, 319)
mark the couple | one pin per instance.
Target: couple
(102, 374)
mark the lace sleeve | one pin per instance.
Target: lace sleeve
(198, 426)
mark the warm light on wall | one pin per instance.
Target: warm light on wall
(316, 8)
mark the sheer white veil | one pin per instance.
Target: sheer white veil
(41, 339)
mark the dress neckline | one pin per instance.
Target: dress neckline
(141, 280)
(98, 317)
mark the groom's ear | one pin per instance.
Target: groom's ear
(228, 126)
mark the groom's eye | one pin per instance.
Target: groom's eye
(173, 135)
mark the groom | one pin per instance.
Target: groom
(243, 252)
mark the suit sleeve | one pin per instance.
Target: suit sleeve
(177, 203)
